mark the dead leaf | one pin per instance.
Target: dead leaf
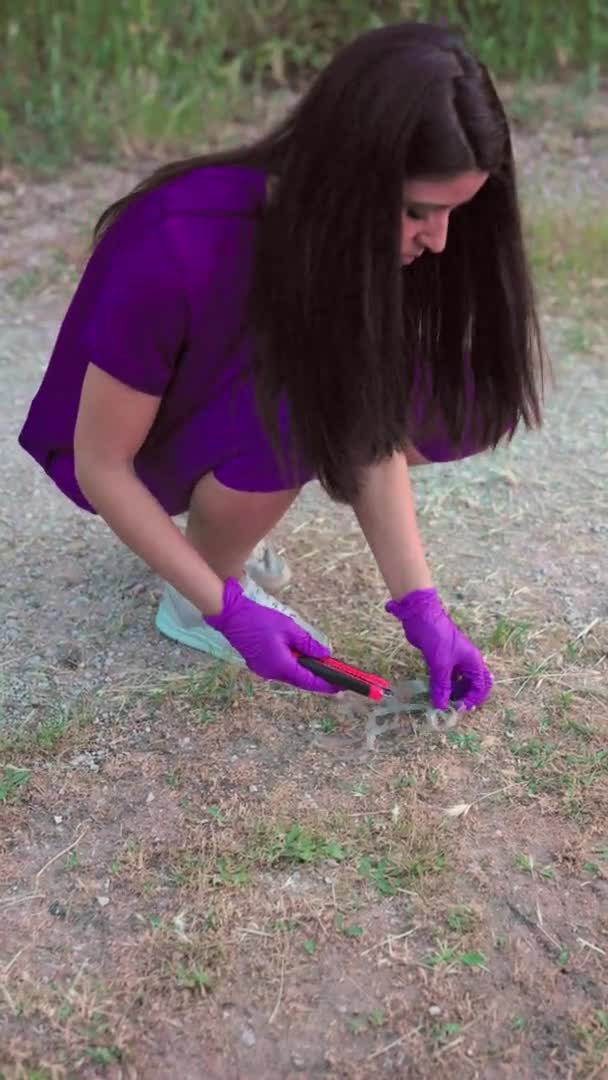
(460, 809)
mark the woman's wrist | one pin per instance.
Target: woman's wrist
(409, 578)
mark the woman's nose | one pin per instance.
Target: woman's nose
(435, 235)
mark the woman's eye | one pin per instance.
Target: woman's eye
(413, 214)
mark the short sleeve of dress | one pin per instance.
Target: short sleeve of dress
(133, 310)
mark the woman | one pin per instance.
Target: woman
(343, 299)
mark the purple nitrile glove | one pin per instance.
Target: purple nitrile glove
(457, 671)
(266, 639)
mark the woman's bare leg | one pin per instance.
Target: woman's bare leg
(225, 525)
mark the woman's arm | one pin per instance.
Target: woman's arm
(113, 422)
(386, 512)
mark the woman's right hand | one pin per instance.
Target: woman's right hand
(267, 640)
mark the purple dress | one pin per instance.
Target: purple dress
(160, 307)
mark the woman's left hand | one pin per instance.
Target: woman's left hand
(457, 671)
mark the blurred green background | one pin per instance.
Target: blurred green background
(97, 77)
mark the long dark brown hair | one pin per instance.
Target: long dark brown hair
(338, 326)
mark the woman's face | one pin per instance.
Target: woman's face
(427, 205)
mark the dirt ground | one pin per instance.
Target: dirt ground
(206, 877)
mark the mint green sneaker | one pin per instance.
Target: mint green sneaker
(179, 620)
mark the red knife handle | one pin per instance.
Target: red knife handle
(346, 677)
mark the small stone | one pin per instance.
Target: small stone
(434, 1010)
(57, 818)
(248, 1036)
(150, 797)
(103, 901)
(298, 1062)
(57, 909)
(253, 788)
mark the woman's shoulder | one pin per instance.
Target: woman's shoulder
(200, 221)
(206, 192)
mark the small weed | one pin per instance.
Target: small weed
(573, 727)
(205, 717)
(432, 776)
(185, 871)
(11, 780)
(360, 790)
(309, 947)
(356, 1024)
(444, 1033)
(472, 959)
(535, 753)
(593, 1039)
(508, 633)
(563, 957)
(377, 1018)
(566, 698)
(215, 813)
(461, 919)
(193, 979)
(525, 863)
(228, 874)
(327, 725)
(383, 874)
(444, 954)
(592, 868)
(172, 780)
(283, 926)
(519, 1023)
(64, 1013)
(547, 872)
(510, 722)
(363, 1021)
(468, 741)
(72, 862)
(426, 863)
(104, 1055)
(402, 783)
(45, 736)
(297, 845)
(348, 931)
(210, 922)
(52, 731)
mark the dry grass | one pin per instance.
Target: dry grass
(243, 862)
